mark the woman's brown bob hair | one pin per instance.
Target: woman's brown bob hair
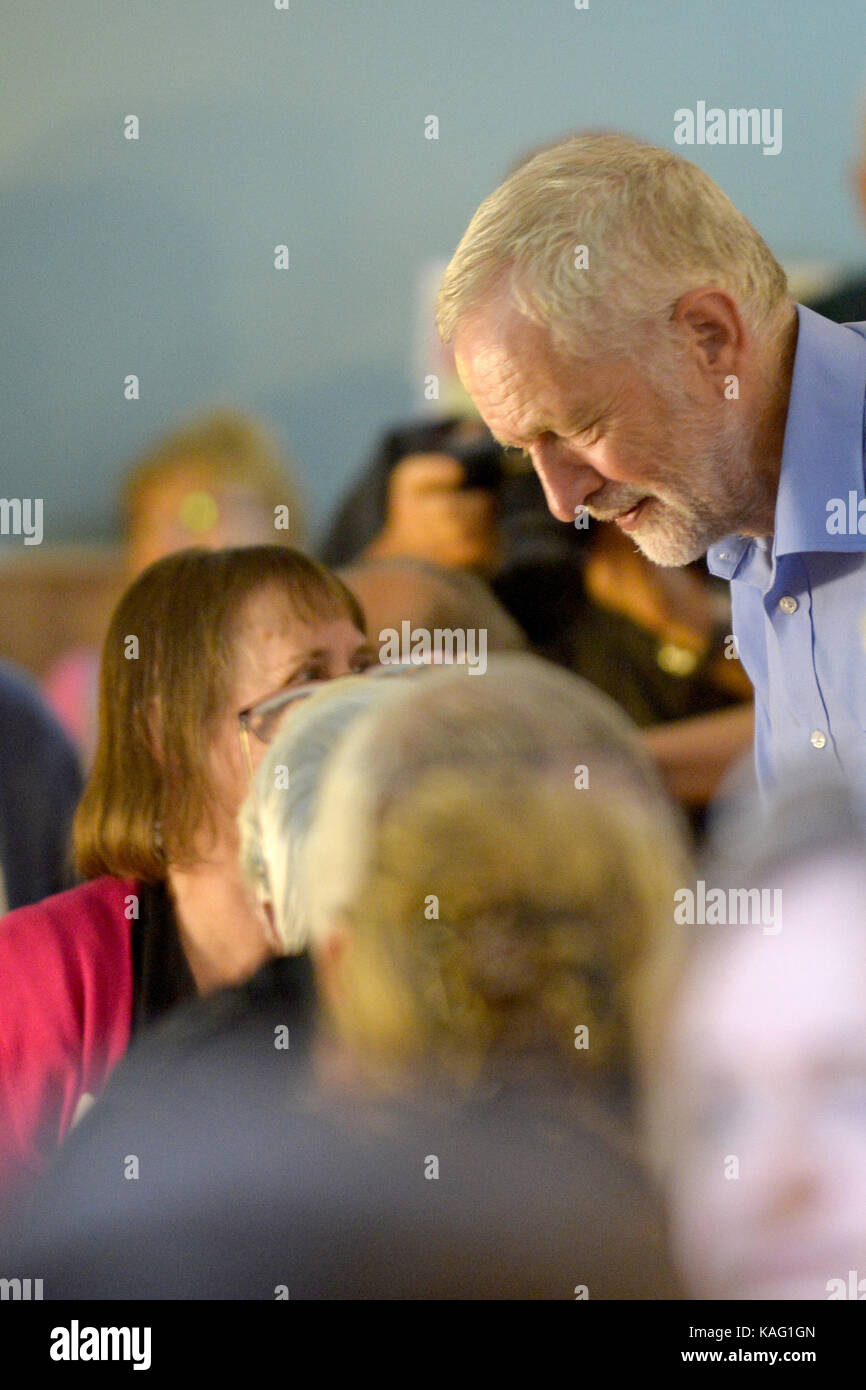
(165, 678)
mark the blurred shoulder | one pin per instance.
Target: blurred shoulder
(21, 699)
(92, 919)
(30, 732)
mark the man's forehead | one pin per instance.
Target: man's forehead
(520, 383)
(498, 330)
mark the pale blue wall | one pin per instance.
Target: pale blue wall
(260, 127)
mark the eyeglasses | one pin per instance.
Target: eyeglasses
(262, 721)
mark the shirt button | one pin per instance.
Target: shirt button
(788, 604)
(818, 739)
(723, 554)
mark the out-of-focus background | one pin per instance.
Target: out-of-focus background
(306, 127)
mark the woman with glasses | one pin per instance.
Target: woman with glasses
(204, 656)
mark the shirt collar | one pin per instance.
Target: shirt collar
(822, 455)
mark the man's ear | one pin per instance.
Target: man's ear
(329, 954)
(711, 325)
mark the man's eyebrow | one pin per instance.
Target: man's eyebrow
(578, 424)
(512, 444)
(586, 420)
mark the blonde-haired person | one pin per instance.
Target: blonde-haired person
(497, 937)
(618, 319)
(202, 657)
(220, 478)
(445, 1130)
(467, 827)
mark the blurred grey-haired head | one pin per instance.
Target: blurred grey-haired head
(523, 719)
(276, 816)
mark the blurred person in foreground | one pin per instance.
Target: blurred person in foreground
(529, 734)
(755, 1057)
(456, 1125)
(219, 479)
(199, 643)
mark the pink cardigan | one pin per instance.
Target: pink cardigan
(65, 1017)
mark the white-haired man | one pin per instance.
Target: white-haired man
(616, 317)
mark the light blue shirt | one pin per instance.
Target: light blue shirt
(799, 599)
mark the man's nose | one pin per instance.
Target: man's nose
(566, 481)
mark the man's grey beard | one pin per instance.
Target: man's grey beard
(673, 536)
(672, 544)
